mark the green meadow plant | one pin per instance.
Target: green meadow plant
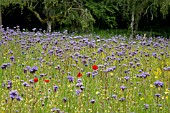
(61, 73)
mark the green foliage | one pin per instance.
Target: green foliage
(65, 13)
(87, 14)
(78, 18)
(103, 11)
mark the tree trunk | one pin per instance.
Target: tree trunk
(0, 16)
(49, 24)
(132, 24)
(136, 25)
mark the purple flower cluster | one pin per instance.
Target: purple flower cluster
(167, 69)
(158, 83)
(5, 65)
(143, 75)
(30, 69)
(70, 78)
(25, 84)
(117, 65)
(9, 84)
(80, 86)
(14, 95)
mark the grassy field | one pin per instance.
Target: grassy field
(57, 72)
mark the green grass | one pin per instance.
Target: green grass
(40, 97)
(125, 32)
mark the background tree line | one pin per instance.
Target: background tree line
(85, 15)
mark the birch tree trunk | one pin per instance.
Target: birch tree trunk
(0, 16)
(132, 24)
(49, 24)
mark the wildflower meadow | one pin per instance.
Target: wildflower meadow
(65, 73)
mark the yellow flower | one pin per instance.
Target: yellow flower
(97, 93)
(142, 98)
(157, 72)
(90, 110)
(151, 85)
(68, 86)
(166, 92)
(103, 55)
(163, 97)
(111, 74)
(166, 97)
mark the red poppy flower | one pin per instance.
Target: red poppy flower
(79, 74)
(46, 80)
(35, 79)
(94, 67)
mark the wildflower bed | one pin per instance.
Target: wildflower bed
(57, 72)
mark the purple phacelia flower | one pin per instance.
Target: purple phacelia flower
(25, 84)
(84, 61)
(9, 85)
(55, 88)
(122, 99)
(88, 74)
(18, 98)
(167, 69)
(146, 106)
(31, 81)
(42, 75)
(158, 95)
(82, 88)
(159, 105)
(79, 80)
(70, 78)
(50, 52)
(12, 58)
(109, 70)
(126, 78)
(65, 99)
(79, 84)
(58, 67)
(13, 94)
(94, 73)
(56, 110)
(143, 75)
(158, 83)
(138, 64)
(4, 66)
(3, 84)
(123, 88)
(9, 82)
(162, 53)
(78, 92)
(25, 70)
(33, 69)
(92, 101)
(100, 50)
(114, 96)
(154, 54)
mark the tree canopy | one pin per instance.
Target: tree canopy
(86, 14)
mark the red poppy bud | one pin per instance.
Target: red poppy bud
(79, 74)
(46, 80)
(94, 67)
(35, 79)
